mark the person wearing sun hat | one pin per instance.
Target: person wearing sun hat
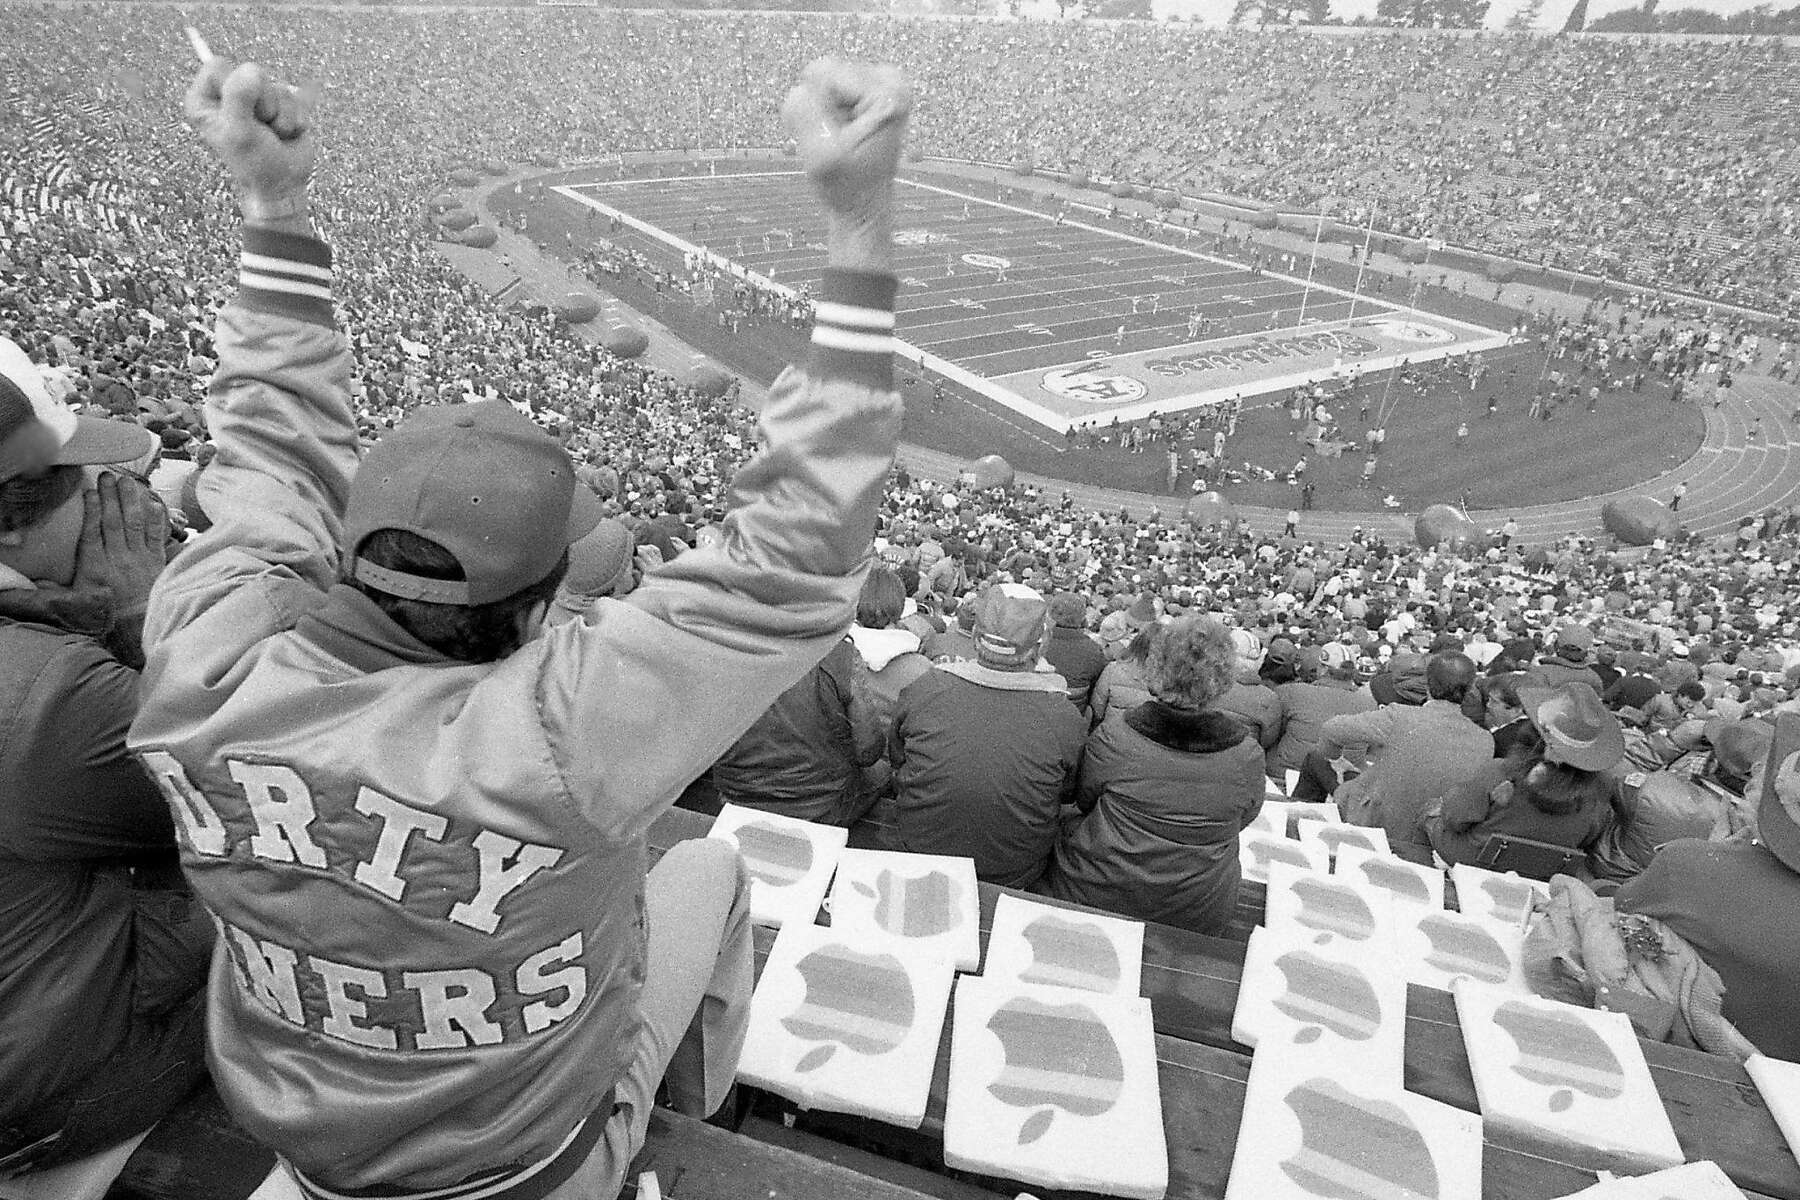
(1737, 902)
(1551, 786)
(418, 814)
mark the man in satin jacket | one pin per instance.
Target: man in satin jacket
(419, 816)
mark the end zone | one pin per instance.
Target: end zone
(1133, 385)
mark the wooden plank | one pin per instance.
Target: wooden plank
(925, 1181)
(1192, 982)
(695, 1161)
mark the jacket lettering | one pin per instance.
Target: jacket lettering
(505, 865)
(450, 1009)
(282, 809)
(280, 824)
(200, 826)
(398, 823)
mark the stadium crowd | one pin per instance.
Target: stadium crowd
(1143, 675)
(1666, 164)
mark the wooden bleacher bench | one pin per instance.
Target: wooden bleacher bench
(696, 1161)
(1192, 982)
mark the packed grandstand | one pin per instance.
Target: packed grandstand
(1562, 702)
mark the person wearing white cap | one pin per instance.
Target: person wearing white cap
(104, 959)
(985, 753)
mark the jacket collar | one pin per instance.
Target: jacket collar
(352, 629)
(1206, 732)
(1006, 681)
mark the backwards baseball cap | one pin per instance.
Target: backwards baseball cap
(1010, 620)
(38, 432)
(483, 482)
(1577, 729)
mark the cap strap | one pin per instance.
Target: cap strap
(411, 587)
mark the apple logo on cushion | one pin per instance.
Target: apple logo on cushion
(1059, 1058)
(1070, 954)
(1336, 837)
(1561, 1052)
(863, 1002)
(1266, 850)
(914, 906)
(1357, 1147)
(1396, 879)
(1333, 908)
(772, 855)
(1458, 948)
(1335, 996)
(1511, 899)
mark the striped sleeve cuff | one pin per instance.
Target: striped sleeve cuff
(287, 273)
(853, 327)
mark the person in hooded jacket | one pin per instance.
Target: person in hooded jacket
(890, 655)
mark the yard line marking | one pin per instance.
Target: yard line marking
(921, 359)
(1127, 237)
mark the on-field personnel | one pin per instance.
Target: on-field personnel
(417, 813)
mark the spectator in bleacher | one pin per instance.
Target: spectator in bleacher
(1652, 810)
(1166, 787)
(1414, 756)
(1076, 656)
(1123, 685)
(1306, 704)
(359, 664)
(810, 754)
(957, 642)
(1249, 699)
(1737, 902)
(1567, 661)
(984, 753)
(1630, 695)
(1552, 785)
(1503, 712)
(890, 656)
(103, 952)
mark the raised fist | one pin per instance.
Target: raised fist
(261, 129)
(849, 121)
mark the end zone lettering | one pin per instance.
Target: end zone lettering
(1262, 351)
(1091, 384)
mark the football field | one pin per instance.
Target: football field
(1060, 319)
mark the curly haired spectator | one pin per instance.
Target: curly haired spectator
(1165, 788)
